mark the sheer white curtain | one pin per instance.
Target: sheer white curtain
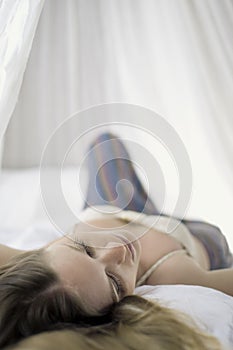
(175, 57)
(51, 88)
(18, 21)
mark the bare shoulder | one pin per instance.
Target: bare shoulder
(178, 269)
(183, 269)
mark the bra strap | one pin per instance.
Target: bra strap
(157, 264)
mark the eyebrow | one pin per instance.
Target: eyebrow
(81, 249)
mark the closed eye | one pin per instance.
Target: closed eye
(89, 250)
(117, 286)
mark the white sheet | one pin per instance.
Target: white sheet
(212, 310)
(24, 222)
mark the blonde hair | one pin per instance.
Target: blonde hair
(136, 323)
(33, 299)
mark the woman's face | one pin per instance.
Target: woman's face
(103, 271)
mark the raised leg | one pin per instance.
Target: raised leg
(112, 178)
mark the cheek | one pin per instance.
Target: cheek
(93, 289)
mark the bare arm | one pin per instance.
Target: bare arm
(6, 253)
(182, 269)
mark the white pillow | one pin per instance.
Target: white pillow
(211, 310)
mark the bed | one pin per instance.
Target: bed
(24, 224)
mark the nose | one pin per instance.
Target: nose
(113, 253)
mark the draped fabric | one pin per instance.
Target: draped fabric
(174, 57)
(18, 21)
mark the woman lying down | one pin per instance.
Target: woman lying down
(86, 279)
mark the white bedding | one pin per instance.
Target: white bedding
(211, 310)
(24, 224)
